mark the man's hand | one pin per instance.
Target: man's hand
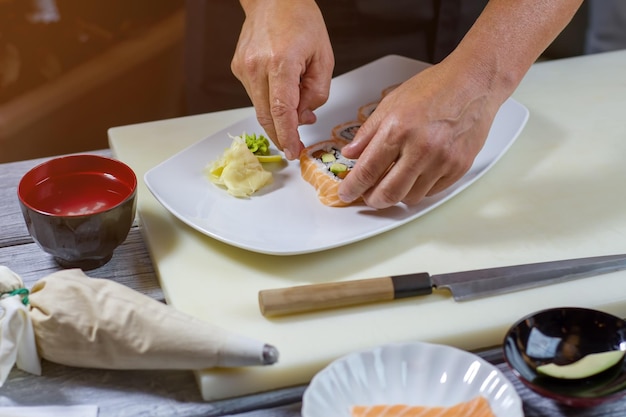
(285, 61)
(425, 134)
(421, 138)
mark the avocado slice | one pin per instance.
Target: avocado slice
(338, 167)
(589, 365)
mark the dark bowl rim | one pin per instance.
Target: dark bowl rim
(571, 400)
(569, 308)
(117, 162)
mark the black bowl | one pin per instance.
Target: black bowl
(79, 208)
(563, 336)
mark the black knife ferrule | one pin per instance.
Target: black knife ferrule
(411, 285)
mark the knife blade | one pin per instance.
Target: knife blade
(465, 285)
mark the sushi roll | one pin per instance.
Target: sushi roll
(366, 110)
(389, 89)
(324, 167)
(346, 131)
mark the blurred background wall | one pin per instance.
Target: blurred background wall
(71, 69)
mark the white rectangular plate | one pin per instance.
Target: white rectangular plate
(286, 218)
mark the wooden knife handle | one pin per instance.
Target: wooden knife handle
(307, 298)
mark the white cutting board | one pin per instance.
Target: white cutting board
(558, 193)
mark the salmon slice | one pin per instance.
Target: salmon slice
(318, 173)
(477, 407)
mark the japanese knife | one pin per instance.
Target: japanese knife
(464, 285)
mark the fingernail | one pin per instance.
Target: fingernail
(289, 154)
(346, 198)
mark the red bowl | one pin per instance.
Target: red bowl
(79, 208)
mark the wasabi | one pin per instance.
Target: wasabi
(258, 145)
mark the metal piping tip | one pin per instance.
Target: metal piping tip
(270, 355)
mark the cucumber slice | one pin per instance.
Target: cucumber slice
(338, 167)
(328, 157)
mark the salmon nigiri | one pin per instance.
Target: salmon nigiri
(323, 166)
(477, 407)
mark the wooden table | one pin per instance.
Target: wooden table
(117, 393)
(159, 393)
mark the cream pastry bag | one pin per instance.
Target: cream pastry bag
(88, 322)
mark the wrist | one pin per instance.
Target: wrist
(489, 74)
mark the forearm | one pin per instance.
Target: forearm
(508, 38)
(250, 6)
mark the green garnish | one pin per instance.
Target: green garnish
(338, 167)
(258, 145)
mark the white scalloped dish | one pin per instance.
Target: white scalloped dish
(413, 373)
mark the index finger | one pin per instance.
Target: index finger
(284, 98)
(255, 81)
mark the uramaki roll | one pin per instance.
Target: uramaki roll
(366, 110)
(346, 130)
(389, 89)
(324, 167)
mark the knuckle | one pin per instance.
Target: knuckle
(278, 108)
(380, 199)
(412, 199)
(246, 66)
(235, 67)
(456, 163)
(389, 197)
(265, 120)
(250, 63)
(365, 176)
